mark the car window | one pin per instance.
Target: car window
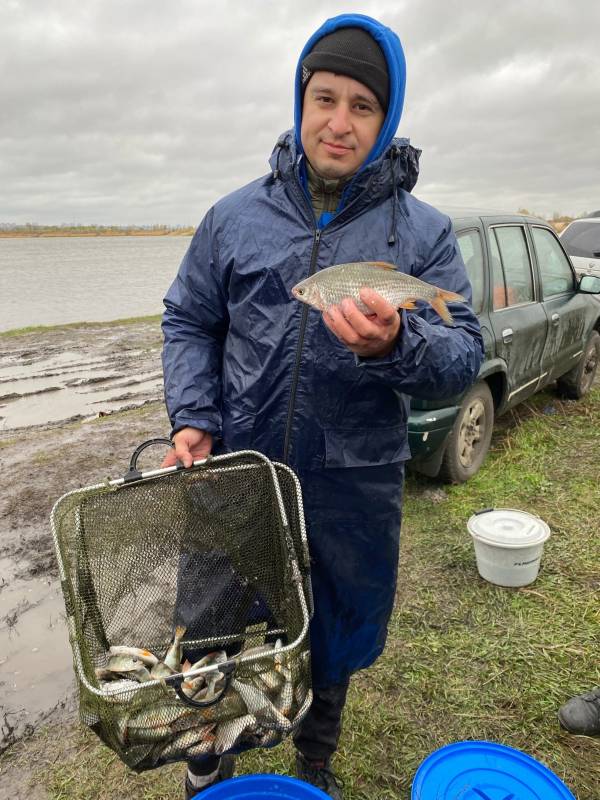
(514, 255)
(498, 285)
(472, 253)
(582, 239)
(555, 270)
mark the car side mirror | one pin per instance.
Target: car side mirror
(589, 284)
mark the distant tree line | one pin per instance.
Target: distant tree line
(66, 229)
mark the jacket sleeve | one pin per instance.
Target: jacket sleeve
(432, 360)
(194, 326)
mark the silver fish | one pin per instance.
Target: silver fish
(331, 285)
(191, 743)
(121, 686)
(203, 748)
(122, 663)
(259, 705)
(145, 656)
(173, 657)
(161, 670)
(156, 715)
(208, 680)
(229, 732)
(230, 706)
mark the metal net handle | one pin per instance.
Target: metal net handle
(133, 474)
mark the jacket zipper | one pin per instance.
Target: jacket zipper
(296, 373)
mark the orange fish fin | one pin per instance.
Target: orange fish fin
(382, 264)
(440, 307)
(451, 297)
(409, 304)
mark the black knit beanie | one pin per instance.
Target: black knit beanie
(352, 52)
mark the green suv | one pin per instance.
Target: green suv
(540, 323)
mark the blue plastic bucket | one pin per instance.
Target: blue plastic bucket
(485, 771)
(263, 787)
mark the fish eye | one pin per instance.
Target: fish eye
(300, 291)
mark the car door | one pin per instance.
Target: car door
(564, 308)
(470, 242)
(517, 317)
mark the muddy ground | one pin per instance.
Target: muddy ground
(74, 403)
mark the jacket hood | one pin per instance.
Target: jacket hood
(394, 55)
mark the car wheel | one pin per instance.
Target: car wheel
(578, 381)
(470, 436)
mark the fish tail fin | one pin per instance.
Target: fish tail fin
(451, 297)
(439, 303)
(439, 306)
(180, 631)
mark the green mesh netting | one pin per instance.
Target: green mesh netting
(204, 551)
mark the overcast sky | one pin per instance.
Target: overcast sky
(143, 111)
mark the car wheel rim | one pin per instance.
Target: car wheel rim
(471, 433)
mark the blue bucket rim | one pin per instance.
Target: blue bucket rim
(527, 765)
(264, 785)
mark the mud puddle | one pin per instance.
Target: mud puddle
(46, 379)
(66, 377)
(35, 665)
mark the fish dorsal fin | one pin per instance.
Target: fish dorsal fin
(383, 265)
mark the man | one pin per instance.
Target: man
(246, 366)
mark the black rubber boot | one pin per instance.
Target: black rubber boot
(226, 769)
(319, 774)
(582, 714)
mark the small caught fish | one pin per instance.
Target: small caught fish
(143, 655)
(161, 670)
(123, 663)
(229, 732)
(331, 285)
(259, 705)
(173, 657)
(191, 686)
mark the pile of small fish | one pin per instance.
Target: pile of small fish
(256, 708)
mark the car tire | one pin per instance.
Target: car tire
(470, 437)
(579, 380)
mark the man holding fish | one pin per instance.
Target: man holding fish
(248, 367)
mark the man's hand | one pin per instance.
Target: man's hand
(372, 336)
(191, 445)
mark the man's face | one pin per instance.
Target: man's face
(341, 119)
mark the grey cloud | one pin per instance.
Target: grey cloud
(125, 112)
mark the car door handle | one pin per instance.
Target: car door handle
(555, 319)
(507, 335)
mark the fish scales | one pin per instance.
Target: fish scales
(331, 285)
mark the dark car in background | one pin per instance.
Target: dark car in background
(581, 240)
(540, 324)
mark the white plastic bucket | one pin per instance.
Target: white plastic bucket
(508, 545)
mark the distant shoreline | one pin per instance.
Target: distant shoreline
(111, 323)
(87, 234)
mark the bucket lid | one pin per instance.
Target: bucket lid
(507, 527)
(485, 771)
(263, 787)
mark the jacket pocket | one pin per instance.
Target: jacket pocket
(237, 427)
(366, 447)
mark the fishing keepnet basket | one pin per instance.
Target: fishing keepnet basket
(217, 551)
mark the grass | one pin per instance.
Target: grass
(464, 659)
(66, 325)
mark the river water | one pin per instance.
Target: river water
(55, 280)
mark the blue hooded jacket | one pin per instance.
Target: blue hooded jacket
(257, 369)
